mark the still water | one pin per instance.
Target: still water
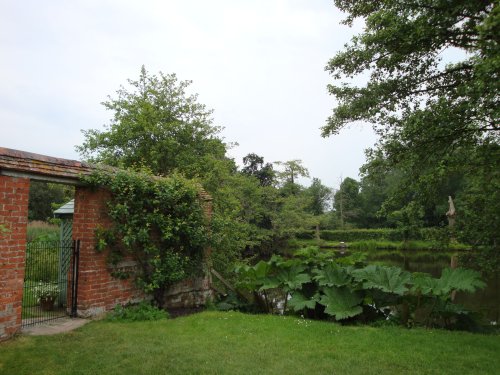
(485, 301)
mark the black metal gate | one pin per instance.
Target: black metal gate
(50, 281)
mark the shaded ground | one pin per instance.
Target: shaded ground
(184, 311)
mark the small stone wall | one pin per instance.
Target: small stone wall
(189, 293)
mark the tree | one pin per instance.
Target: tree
(408, 88)
(430, 116)
(320, 197)
(254, 166)
(44, 197)
(157, 124)
(291, 170)
(347, 202)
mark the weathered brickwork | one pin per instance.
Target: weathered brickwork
(14, 193)
(98, 291)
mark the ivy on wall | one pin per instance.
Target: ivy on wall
(157, 221)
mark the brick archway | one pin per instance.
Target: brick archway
(98, 291)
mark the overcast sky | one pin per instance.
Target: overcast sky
(259, 64)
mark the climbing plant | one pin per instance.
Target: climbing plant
(157, 221)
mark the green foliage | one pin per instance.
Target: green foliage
(254, 278)
(159, 222)
(478, 217)
(255, 167)
(156, 124)
(458, 279)
(134, 313)
(432, 96)
(320, 197)
(347, 202)
(381, 234)
(341, 302)
(332, 274)
(42, 261)
(387, 279)
(45, 197)
(346, 288)
(299, 302)
(291, 170)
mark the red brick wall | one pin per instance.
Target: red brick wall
(98, 291)
(14, 193)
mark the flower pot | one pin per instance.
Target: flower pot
(47, 303)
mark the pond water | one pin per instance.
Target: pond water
(485, 301)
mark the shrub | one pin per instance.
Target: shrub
(140, 312)
(381, 234)
(319, 285)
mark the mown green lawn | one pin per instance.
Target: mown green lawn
(235, 343)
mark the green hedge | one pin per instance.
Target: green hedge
(384, 234)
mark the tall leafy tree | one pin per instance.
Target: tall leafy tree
(347, 201)
(287, 176)
(255, 166)
(291, 170)
(431, 70)
(320, 197)
(157, 124)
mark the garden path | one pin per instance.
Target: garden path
(55, 326)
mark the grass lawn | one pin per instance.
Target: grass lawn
(235, 343)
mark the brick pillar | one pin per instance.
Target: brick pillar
(98, 291)
(14, 195)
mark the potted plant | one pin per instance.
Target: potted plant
(46, 294)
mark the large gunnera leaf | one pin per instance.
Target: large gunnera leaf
(424, 283)
(299, 301)
(459, 279)
(341, 302)
(253, 278)
(384, 278)
(292, 277)
(332, 275)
